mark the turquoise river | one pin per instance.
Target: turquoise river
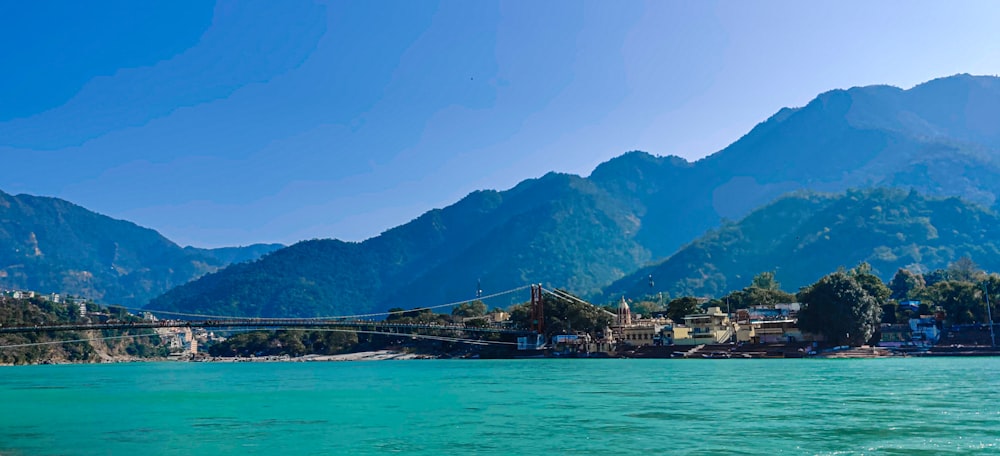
(506, 407)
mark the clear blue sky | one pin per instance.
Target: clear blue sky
(231, 123)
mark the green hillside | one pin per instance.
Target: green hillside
(53, 246)
(803, 236)
(499, 239)
(584, 233)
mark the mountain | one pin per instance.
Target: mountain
(53, 246)
(230, 255)
(498, 239)
(941, 137)
(805, 235)
(583, 233)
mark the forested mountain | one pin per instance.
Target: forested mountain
(559, 226)
(53, 246)
(805, 235)
(940, 138)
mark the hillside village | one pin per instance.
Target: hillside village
(177, 342)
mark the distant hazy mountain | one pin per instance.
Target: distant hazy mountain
(940, 138)
(53, 246)
(804, 236)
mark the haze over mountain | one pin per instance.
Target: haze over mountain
(54, 246)
(805, 235)
(940, 138)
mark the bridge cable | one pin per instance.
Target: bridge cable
(452, 304)
(423, 336)
(58, 342)
(565, 295)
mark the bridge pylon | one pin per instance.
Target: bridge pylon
(537, 309)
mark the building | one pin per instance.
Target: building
(633, 330)
(924, 330)
(670, 333)
(181, 341)
(19, 294)
(771, 324)
(624, 313)
(711, 327)
(498, 317)
(896, 335)
(639, 334)
(777, 331)
(773, 312)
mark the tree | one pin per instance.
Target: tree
(469, 309)
(647, 308)
(935, 276)
(889, 313)
(290, 342)
(992, 285)
(564, 316)
(905, 284)
(764, 290)
(395, 313)
(417, 315)
(961, 301)
(840, 309)
(681, 307)
(765, 281)
(764, 297)
(871, 283)
(965, 270)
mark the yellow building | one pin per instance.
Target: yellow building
(711, 327)
(671, 333)
(746, 333)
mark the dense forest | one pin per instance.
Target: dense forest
(805, 235)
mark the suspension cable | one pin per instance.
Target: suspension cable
(424, 336)
(58, 342)
(451, 304)
(565, 295)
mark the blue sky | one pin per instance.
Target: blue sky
(231, 123)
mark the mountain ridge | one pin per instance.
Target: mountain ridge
(804, 235)
(54, 246)
(583, 233)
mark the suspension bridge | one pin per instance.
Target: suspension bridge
(361, 323)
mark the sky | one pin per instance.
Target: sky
(236, 122)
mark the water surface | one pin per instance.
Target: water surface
(875, 406)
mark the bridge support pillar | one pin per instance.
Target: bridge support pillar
(537, 309)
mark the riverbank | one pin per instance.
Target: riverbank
(777, 351)
(374, 355)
